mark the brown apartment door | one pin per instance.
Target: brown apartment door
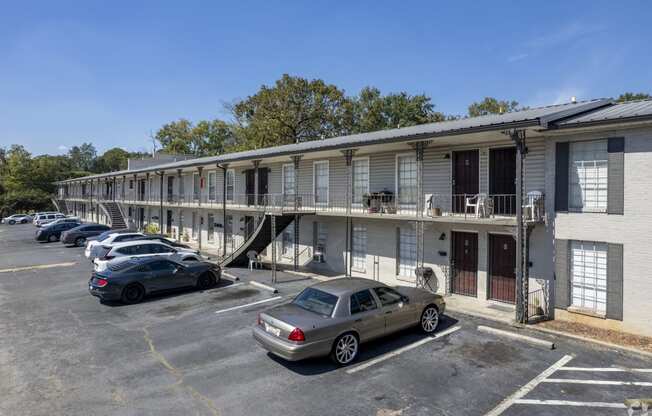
(250, 186)
(502, 180)
(466, 168)
(502, 261)
(262, 185)
(464, 263)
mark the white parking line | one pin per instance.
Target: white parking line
(40, 266)
(599, 382)
(401, 350)
(249, 304)
(608, 369)
(571, 403)
(520, 393)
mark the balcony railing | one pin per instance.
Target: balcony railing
(468, 206)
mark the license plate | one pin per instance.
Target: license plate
(272, 330)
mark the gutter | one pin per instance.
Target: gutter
(602, 122)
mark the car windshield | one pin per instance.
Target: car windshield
(316, 301)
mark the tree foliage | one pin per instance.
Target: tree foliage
(206, 138)
(490, 105)
(633, 96)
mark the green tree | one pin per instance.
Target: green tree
(207, 138)
(491, 105)
(293, 110)
(111, 160)
(82, 157)
(633, 96)
(372, 111)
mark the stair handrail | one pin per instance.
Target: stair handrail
(237, 251)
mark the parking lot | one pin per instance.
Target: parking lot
(191, 353)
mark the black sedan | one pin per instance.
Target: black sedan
(53, 232)
(131, 279)
(79, 235)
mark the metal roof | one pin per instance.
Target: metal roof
(532, 117)
(626, 111)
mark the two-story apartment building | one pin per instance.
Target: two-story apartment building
(545, 207)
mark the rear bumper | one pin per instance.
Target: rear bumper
(287, 350)
(105, 293)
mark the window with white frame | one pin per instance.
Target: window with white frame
(589, 276)
(210, 227)
(288, 180)
(360, 168)
(406, 172)
(320, 235)
(287, 241)
(359, 248)
(212, 192)
(407, 251)
(320, 182)
(230, 184)
(588, 176)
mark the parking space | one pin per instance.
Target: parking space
(191, 352)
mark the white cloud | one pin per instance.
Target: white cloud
(62, 148)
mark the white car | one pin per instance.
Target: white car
(141, 248)
(40, 215)
(108, 240)
(17, 219)
(41, 220)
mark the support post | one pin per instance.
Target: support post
(273, 229)
(522, 284)
(199, 170)
(297, 221)
(91, 200)
(160, 197)
(348, 158)
(295, 162)
(124, 186)
(224, 167)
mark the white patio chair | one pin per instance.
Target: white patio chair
(254, 260)
(480, 203)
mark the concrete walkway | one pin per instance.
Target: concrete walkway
(484, 309)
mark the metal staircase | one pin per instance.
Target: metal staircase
(257, 242)
(61, 206)
(114, 213)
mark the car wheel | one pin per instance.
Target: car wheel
(206, 281)
(345, 349)
(429, 319)
(133, 293)
(12, 222)
(80, 241)
(52, 238)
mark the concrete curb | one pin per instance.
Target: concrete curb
(263, 286)
(592, 340)
(513, 335)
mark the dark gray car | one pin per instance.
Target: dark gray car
(334, 317)
(79, 235)
(130, 280)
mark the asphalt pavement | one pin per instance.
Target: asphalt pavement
(191, 353)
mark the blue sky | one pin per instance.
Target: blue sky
(112, 72)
